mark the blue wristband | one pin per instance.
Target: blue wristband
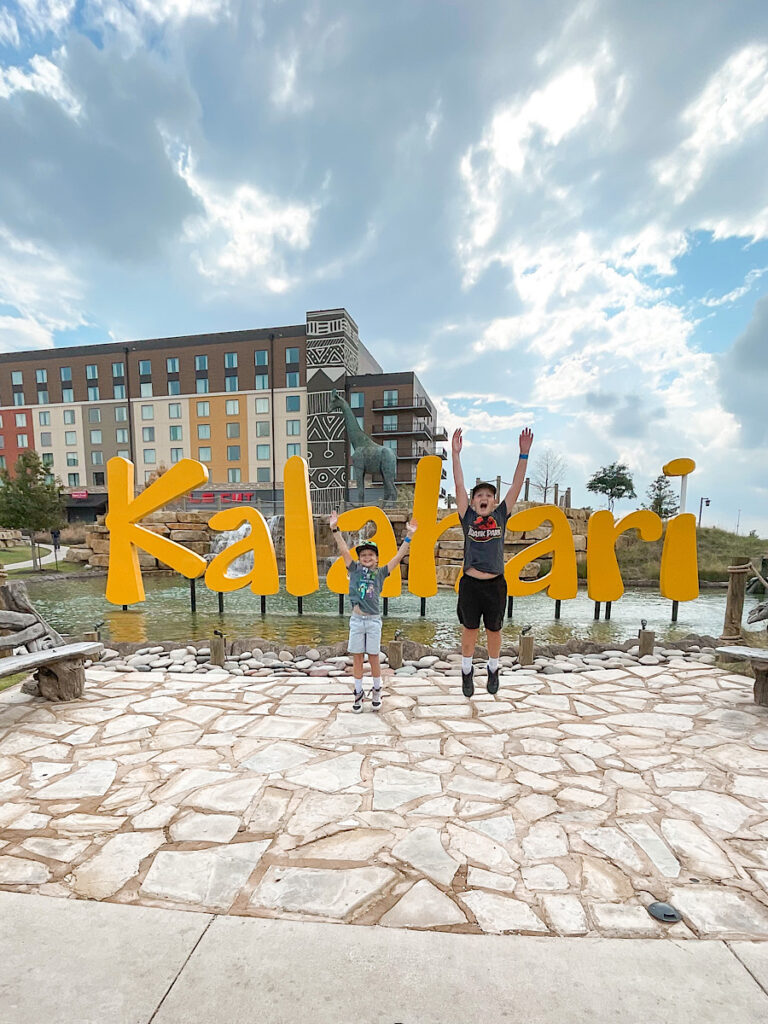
(521, 456)
(406, 540)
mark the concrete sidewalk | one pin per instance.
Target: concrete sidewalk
(83, 962)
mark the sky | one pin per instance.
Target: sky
(556, 214)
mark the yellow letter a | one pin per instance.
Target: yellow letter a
(263, 578)
(561, 582)
(124, 583)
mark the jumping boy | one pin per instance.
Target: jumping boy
(482, 587)
(365, 582)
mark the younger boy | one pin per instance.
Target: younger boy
(365, 582)
(482, 587)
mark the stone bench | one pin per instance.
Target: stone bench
(758, 659)
(59, 671)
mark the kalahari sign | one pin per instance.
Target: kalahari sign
(678, 576)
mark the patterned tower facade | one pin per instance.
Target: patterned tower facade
(332, 354)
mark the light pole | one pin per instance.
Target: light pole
(702, 503)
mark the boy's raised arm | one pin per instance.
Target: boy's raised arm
(402, 551)
(338, 536)
(526, 440)
(462, 501)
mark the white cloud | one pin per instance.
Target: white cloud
(286, 92)
(9, 30)
(733, 102)
(245, 234)
(737, 293)
(43, 77)
(18, 334)
(43, 16)
(35, 282)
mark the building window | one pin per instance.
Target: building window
(21, 419)
(97, 458)
(42, 398)
(148, 474)
(233, 453)
(233, 476)
(47, 459)
(360, 422)
(98, 479)
(172, 364)
(292, 403)
(262, 451)
(293, 449)
(16, 377)
(69, 416)
(233, 406)
(124, 454)
(262, 475)
(230, 383)
(292, 379)
(2, 441)
(118, 369)
(65, 374)
(93, 393)
(203, 431)
(149, 456)
(2, 462)
(147, 412)
(118, 392)
(91, 372)
(121, 413)
(389, 422)
(177, 454)
(145, 367)
(204, 454)
(43, 418)
(201, 362)
(203, 408)
(262, 382)
(174, 387)
(41, 376)
(96, 437)
(148, 435)
(291, 355)
(67, 395)
(201, 386)
(121, 436)
(174, 411)
(262, 429)
(262, 405)
(357, 400)
(145, 389)
(233, 429)
(22, 441)
(230, 360)
(18, 398)
(72, 458)
(70, 437)
(175, 434)
(293, 428)
(390, 398)
(390, 442)
(261, 357)
(94, 415)
(73, 479)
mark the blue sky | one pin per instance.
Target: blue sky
(557, 214)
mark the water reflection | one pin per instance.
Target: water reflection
(73, 606)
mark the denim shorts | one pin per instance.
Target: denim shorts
(364, 634)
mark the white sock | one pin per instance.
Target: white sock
(358, 686)
(493, 664)
(466, 663)
(377, 682)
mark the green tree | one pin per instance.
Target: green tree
(30, 500)
(660, 497)
(614, 481)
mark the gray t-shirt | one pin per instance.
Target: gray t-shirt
(365, 586)
(484, 539)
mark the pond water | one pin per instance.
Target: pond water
(74, 606)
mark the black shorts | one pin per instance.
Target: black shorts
(482, 598)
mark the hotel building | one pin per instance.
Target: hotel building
(241, 402)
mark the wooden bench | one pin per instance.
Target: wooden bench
(59, 671)
(758, 659)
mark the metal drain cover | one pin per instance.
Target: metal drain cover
(664, 912)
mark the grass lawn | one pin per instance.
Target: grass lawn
(717, 549)
(12, 680)
(49, 567)
(9, 555)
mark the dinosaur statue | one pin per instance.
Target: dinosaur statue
(367, 455)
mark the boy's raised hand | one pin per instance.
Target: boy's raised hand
(526, 440)
(333, 519)
(456, 441)
(410, 528)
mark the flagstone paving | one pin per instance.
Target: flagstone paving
(564, 805)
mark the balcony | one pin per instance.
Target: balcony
(415, 405)
(441, 435)
(418, 451)
(418, 430)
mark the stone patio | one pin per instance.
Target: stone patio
(561, 806)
